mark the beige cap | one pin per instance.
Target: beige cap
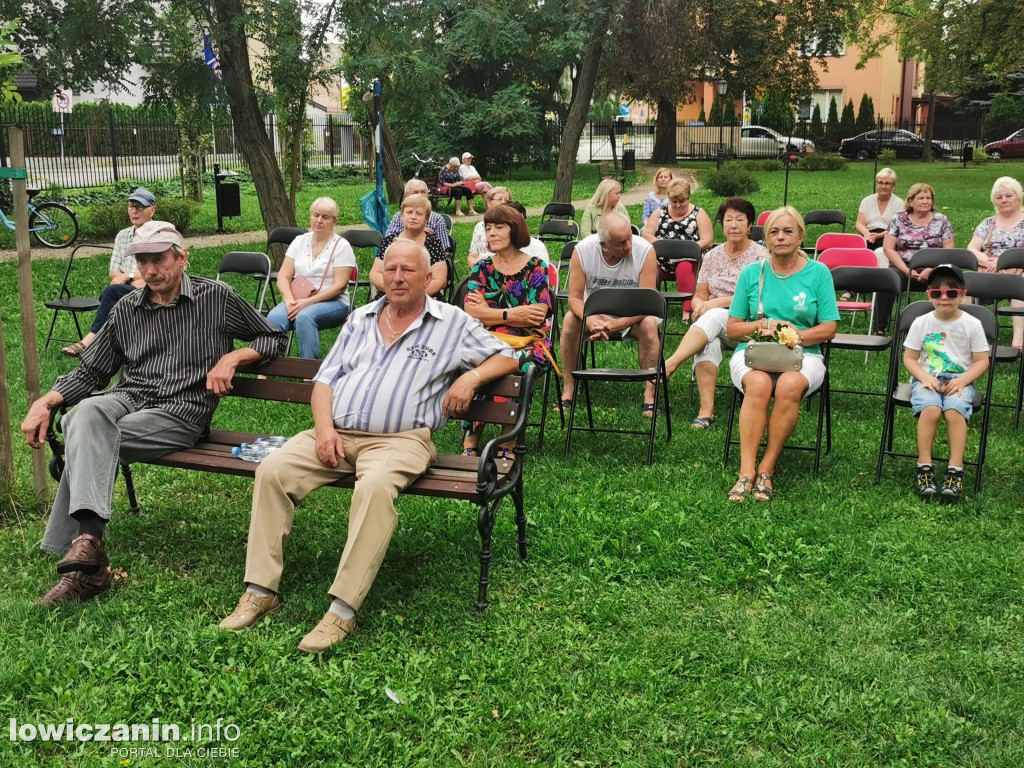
(155, 237)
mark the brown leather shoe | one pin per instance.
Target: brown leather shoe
(331, 629)
(87, 555)
(251, 608)
(77, 586)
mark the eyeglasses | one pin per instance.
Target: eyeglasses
(946, 293)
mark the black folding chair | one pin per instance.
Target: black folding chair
(990, 288)
(674, 251)
(823, 393)
(824, 218)
(621, 302)
(283, 236)
(899, 394)
(363, 238)
(251, 263)
(558, 211)
(864, 280)
(558, 231)
(65, 302)
(927, 258)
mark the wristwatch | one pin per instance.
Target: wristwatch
(504, 315)
(131, 276)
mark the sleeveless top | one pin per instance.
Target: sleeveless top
(600, 274)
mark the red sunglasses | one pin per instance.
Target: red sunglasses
(947, 293)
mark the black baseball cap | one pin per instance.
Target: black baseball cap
(947, 270)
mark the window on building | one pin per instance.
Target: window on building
(814, 47)
(821, 99)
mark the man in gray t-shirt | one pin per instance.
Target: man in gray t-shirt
(613, 257)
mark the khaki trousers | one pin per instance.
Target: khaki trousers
(384, 465)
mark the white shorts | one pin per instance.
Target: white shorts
(813, 370)
(713, 324)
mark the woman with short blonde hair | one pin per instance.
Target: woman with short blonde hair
(605, 200)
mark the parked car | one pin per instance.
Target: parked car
(759, 141)
(904, 143)
(1011, 146)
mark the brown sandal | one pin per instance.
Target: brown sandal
(74, 350)
(761, 487)
(741, 490)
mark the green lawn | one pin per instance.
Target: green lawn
(846, 623)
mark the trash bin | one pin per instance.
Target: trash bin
(967, 154)
(228, 194)
(629, 160)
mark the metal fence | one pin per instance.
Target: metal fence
(89, 153)
(701, 141)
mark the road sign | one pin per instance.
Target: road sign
(62, 102)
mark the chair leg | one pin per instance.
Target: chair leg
(517, 499)
(129, 486)
(544, 410)
(485, 524)
(728, 427)
(49, 336)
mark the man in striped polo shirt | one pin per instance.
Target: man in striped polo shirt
(173, 343)
(400, 367)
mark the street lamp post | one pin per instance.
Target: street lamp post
(722, 86)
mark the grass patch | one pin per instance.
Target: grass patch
(844, 624)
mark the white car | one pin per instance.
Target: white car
(759, 141)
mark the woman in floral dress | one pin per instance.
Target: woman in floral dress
(509, 293)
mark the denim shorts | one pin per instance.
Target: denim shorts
(921, 398)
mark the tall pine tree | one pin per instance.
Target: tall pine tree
(866, 114)
(847, 123)
(832, 136)
(817, 133)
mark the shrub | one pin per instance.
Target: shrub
(732, 181)
(821, 161)
(6, 196)
(178, 211)
(107, 219)
(759, 166)
(980, 156)
(887, 155)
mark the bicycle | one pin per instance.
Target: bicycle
(54, 225)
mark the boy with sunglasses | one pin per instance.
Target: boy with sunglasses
(945, 351)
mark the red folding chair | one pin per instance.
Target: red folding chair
(851, 257)
(839, 240)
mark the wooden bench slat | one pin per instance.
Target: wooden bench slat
(280, 391)
(288, 367)
(492, 412)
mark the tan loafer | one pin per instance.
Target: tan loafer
(76, 587)
(251, 608)
(87, 555)
(331, 629)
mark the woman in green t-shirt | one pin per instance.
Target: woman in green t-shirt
(797, 297)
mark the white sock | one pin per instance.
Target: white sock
(956, 469)
(258, 590)
(342, 609)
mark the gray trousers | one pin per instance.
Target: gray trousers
(99, 433)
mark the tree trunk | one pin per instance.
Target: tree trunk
(664, 151)
(582, 93)
(929, 127)
(392, 168)
(256, 146)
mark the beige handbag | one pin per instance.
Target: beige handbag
(771, 356)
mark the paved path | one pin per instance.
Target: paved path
(634, 196)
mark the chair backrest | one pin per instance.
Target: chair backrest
(245, 263)
(825, 217)
(363, 238)
(625, 302)
(932, 257)
(757, 234)
(248, 263)
(65, 291)
(989, 322)
(675, 250)
(1011, 258)
(565, 255)
(459, 294)
(558, 229)
(992, 287)
(635, 229)
(284, 235)
(866, 280)
(558, 211)
(447, 222)
(839, 240)
(849, 257)
(763, 217)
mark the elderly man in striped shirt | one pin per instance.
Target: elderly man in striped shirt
(400, 367)
(173, 343)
